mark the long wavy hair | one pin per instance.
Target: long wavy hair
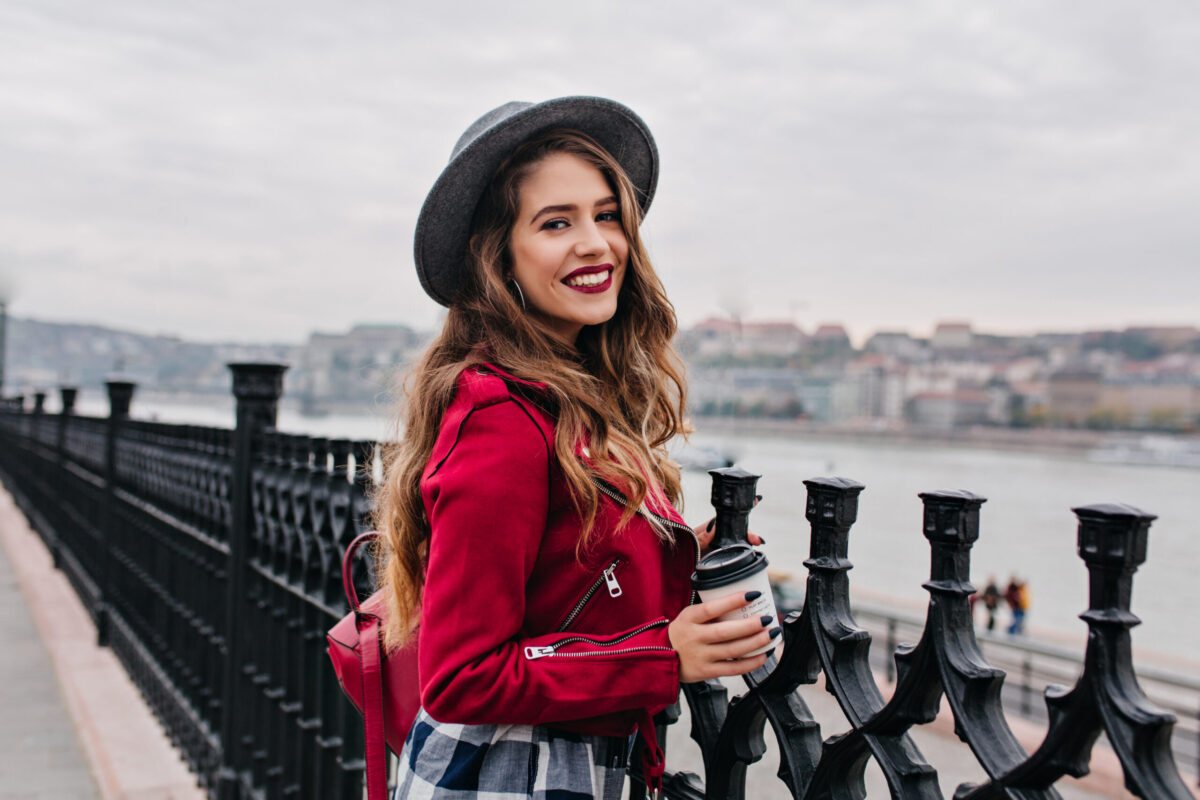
(621, 385)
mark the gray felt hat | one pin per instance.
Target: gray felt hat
(444, 226)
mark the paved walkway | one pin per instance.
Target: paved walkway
(40, 755)
(72, 725)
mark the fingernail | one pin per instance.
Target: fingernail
(762, 540)
(708, 528)
(775, 632)
(765, 620)
(758, 498)
(753, 596)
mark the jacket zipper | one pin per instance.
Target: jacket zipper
(609, 578)
(534, 653)
(621, 500)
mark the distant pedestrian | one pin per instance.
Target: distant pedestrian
(991, 601)
(1017, 597)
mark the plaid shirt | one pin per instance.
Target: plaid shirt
(501, 762)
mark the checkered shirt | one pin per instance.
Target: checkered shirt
(502, 762)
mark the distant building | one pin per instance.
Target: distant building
(716, 337)
(1073, 395)
(1169, 337)
(951, 336)
(831, 332)
(832, 399)
(897, 344)
(948, 410)
(829, 341)
(752, 391)
(882, 385)
(361, 363)
(1021, 370)
(773, 338)
(1151, 402)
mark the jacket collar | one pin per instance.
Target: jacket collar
(655, 499)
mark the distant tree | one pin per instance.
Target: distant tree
(1167, 419)
(1038, 416)
(1106, 419)
(1139, 346)
(1018, 414)
(791, 409)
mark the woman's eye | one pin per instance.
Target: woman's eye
(554, 224)
(608, 216)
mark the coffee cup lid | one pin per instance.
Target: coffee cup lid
(727, 565)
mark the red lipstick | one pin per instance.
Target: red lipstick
(591, 288)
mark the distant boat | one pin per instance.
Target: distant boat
(1150, 450)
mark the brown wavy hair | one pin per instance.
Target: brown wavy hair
(621, 385)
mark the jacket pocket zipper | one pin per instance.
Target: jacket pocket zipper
(607, 578)
(534, 653)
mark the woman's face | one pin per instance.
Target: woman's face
(569, 251)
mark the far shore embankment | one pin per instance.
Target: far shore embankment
(1057, 440)
(165, 405)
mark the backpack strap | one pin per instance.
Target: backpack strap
(373, 716)
(371, 656)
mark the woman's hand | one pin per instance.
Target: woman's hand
(705, 532)
(706, 646)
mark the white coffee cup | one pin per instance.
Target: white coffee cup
(738, 568)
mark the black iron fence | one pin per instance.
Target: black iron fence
(208, 560)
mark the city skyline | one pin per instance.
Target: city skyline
(1136, 379)
(223, 173)
(924, 333)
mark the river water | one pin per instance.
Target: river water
(1026, 527)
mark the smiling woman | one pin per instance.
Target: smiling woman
(532, 546)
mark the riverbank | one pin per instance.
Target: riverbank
(1041, 440)
(377, 414)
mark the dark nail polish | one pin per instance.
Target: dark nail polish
(762, 540)
(708, 528)
(758, 498)
(753, 596)
(765, 620)
(775, 632)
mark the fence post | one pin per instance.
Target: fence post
(257, 388)
(68, 394)
(60, 457)
(120, 396)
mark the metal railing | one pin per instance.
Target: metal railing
(208, 559)
(1031, 666)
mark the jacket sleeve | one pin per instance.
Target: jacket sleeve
(488, 502)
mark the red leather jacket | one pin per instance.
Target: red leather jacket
(515, 629)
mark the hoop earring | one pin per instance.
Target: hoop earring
(520, 294)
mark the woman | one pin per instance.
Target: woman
(528, 512)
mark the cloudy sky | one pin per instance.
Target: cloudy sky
(252, 170)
